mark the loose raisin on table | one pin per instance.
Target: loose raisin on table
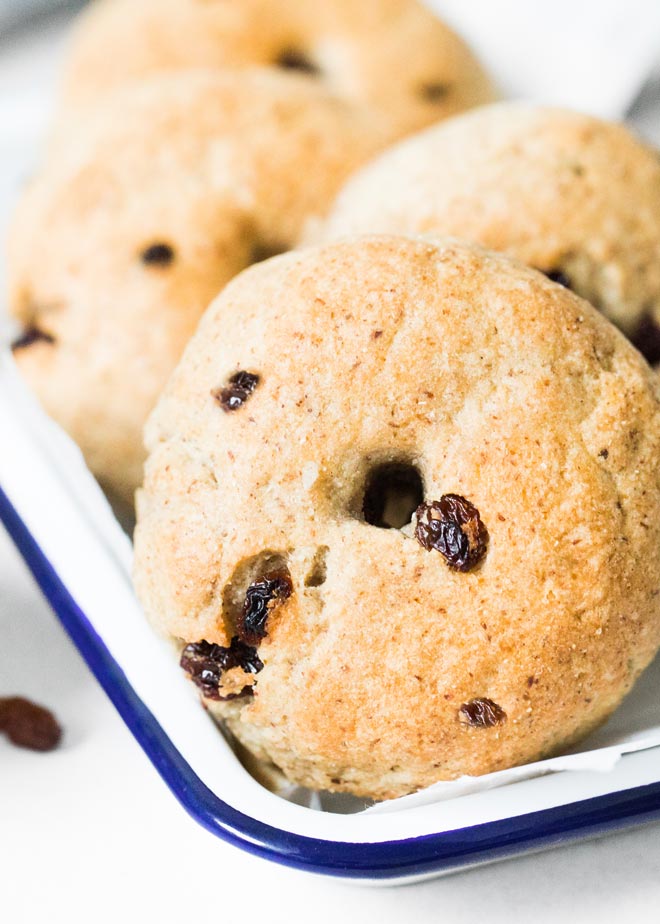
(453, 527)
(481, 713)
(235, 394)
(28, 725)
(206, 662)
(30, 335)
(261, 598)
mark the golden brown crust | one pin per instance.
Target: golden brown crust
(392, 55)
(220, 167)
(556, 189)
(496, 385)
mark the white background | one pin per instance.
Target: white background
(89, 832)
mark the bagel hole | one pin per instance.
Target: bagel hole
(318, 572)
(294, 59)
(393, 491)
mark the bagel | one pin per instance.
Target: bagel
(138, 220)
(401, 514)
(394, 56)
(571, 195)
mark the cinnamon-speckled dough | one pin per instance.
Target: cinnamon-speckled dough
(561, 191)
(495, 384)
(223, 169)
(394, 56)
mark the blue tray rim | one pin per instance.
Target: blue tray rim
(408, 858)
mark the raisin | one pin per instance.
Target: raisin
(453, 527)
(158, 255)
(481, 713)
(647, 339)
(28, 725)
(293, 59)
(235, 394)
(260, 599)
(30, 335)
(558, 276)
(205, 663)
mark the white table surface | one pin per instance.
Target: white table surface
(89, 832)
